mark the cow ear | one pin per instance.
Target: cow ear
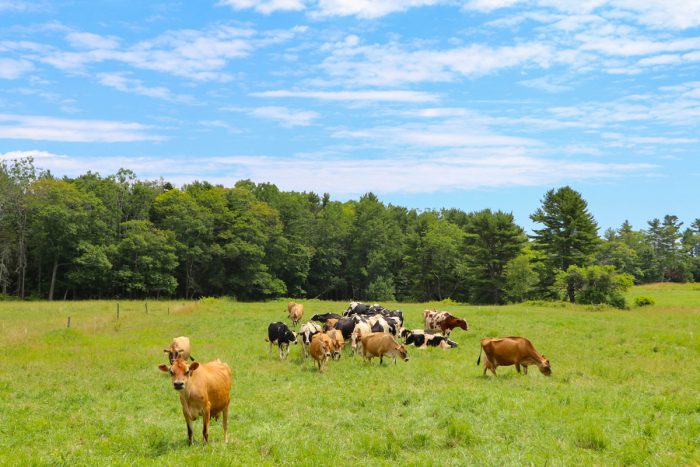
(166, 350)
(163, 367)
(194, 366)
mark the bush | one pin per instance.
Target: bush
(644, 301)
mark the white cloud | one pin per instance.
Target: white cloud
(90, 41)
(264, 6)
(368, 9)
(392, 64)
(31, 127)
(442, 135)
(13, 69)
(122, 82)
(283, 115)
(200, 55)
(503, 167)
(364, 96)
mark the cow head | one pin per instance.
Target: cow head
(173, 353)
(402, 352)
(179, 372)
(404, 333)
(290, 337)
(544, 366)
(460, 323)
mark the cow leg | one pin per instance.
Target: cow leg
(524, 368)
(189, 426)
(517, 367)
(269, 352)
(226, 423)
(205, 424)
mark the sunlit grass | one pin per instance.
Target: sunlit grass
(624, 388)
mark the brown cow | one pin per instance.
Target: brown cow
(320, 350)
(329, 324)
(378, 344)
(443, 321)
(204, 390)
(513, 350)
(295, 312)
(336, 336)
(179, 346)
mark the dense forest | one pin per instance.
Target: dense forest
(118, 236)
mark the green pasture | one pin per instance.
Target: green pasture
(625, 388)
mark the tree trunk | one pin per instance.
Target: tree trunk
(53, 278)
(571, 292)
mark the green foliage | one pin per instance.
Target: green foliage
(569, 235)
(254, 241)
(144, 260)
(493, 240)
(595, 285)
(644, 300)
(521, 277)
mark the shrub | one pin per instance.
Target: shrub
(644, 301)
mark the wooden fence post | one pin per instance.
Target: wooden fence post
(68, 325)
(117, 311)
(146, 307)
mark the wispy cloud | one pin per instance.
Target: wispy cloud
(284, 115)
(31, 127)
(122, 82)
(264, 6)
(13, 69)
(499, 168)
(365, 96)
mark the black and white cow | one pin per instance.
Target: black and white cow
(357, 308)
(423, 339)
(381, 324)
(306, 332)
(322, 318)
(278, 333)
(346, 325)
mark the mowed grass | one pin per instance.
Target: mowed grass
(625, 388)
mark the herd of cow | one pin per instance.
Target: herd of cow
(370, 330)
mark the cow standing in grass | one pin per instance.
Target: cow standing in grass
(443, 321)
(512, 350)
(321, 349)
(278, 333)
(179, 346)
(205, 390)
(295, 312)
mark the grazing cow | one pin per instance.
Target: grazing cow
(306, 332)
(513, 350)
(362, 328)
(322, 318)
(378, 344)
(422, 339)
(278, 333)
(179, 346)
(321, 348)
(443, 322)
(204, 390)
(338, 342)
(295, 312)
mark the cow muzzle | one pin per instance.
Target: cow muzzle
(178, 385)
(336, 355)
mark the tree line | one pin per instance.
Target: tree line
(119, 236)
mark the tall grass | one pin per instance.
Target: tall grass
(624, 388)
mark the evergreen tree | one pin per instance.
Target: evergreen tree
(569, 236)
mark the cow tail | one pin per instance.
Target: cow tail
(478, 360)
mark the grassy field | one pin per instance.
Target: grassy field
(625, 388)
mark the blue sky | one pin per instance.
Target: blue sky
(428, 103)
